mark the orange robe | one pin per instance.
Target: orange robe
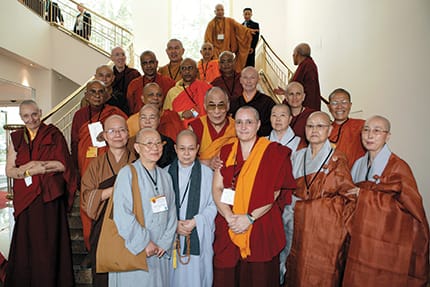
(211, 142)
(172, 71)
(237, 39)
(347, 138)
(318, 248)
(389, 231)
(208, 71)
(182, 98)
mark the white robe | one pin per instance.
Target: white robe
(198, 272)
(159, 227)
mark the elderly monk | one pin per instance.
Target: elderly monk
(123, 74)
(389, 230)
(254, 98)
(280, 119)
(149, 117)
(175, 50)
(226, 34)
(149, 64)
(196, 212)
(215, 129)
(44, 183)
(248, 228)
(208, 66)
(170, 123)
(346, 132)
(158, 204)
(229, 80)
(322, 207)
(86, 125)
(97, 183)
(187, 97)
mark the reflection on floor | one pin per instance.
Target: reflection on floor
(6, 226)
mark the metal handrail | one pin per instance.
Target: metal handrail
(266, 44)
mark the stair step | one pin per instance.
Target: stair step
(75, 222)
(83, 275)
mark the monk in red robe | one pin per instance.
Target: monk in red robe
(214, 130)
(44, 183)
(346, 132)
(170, 123)
(83, 145)
(229, 80)
(187, 97)
(322, 207)
(175, 50)
(248, 227)
(208, 65)
(226, 34)
(389, 229)
(149, 64)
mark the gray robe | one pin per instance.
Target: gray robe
(289, 139)
(159, 227)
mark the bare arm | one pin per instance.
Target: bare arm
(217, 188)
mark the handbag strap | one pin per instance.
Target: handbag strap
(137, 199)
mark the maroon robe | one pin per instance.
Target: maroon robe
(307, 75)
(231, 85)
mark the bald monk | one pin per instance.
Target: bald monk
(208, 65)
(346, 132)
(229, 80)
(170, 123)
(175, 50)
(389, 229)
(215, 129)
(149, 63)
(226, 34)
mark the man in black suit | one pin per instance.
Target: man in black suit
(83, 23)
(247, 14)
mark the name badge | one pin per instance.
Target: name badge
(91, 152)
(227, 196)
(220, 37)
(95, 129)
(28, 180)
(159, 204)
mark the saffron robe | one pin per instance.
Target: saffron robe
(231, 85)
(389, 229)
(347, 138)
(159, 227)
(40, 251)
(172, 70)
(237, 39)
(182, 98)
(198, 272)
(263, 104)
(210, 141)
(208, 71)
(135, 90)
(170, 124)
(320, 213)
(307, 75)
(123, 79)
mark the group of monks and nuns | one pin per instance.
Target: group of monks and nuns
(158, 204)
(208, 65)
(248, 227)
(389, 229)
(247, 14)
(346, 132)
(187, 96)
(229, 80)
(175, 50)
(149, 63)
(196, 211)
(105, 74)
(98, 180)
(323, 204)
(254, 98)
(44, 183)
(85, 145)
(280, 119)
(123, 73)
(226, 34)
(170, 123)
(215, 129)
(149, 117)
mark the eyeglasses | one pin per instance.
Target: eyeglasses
(375, 131)
(150, 62)
(245, 122)
(213, 106)
(338, 103)
(93, 92)
(188, 149)
(121, 131)
(150, 145)
(317, 127)
(187, 68)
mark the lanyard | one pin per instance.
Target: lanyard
(308, 185)
(190, 95)
(296, 118)
(204, 69)
(170, 72)
(100, 113)
(185, 193)
(230, 91)
(154, 181)
(339, 132)
(110, 165)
